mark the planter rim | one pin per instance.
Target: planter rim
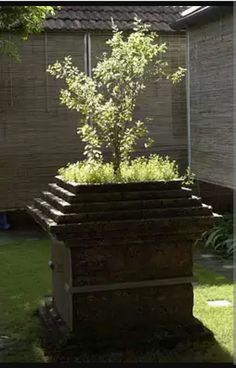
(75, 185)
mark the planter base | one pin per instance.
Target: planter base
(61, 344)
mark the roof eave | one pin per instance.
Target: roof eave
(206, 13)
(88, 29)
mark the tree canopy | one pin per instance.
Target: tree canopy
(21, 20)
(106, 101)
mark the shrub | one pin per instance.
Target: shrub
(140, 169)
(106, 101)
(220, 237)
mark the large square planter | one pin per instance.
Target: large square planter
(122, 255)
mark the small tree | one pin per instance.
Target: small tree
(106, 101)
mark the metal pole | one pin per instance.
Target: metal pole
(46, 66)
(188, 105)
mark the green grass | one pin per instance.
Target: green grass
(217, 319)
(25, 279)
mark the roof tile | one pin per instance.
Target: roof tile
(87, 17)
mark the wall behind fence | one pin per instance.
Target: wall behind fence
(38, 134)
(211, 86)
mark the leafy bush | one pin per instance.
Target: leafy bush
(220, 237)
(23, 20)
(139, 169)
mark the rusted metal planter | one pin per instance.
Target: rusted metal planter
(122, 255)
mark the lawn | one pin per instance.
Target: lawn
(25, 279)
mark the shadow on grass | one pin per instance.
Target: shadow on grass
(195, 350)
(170, 343)
(189, 351)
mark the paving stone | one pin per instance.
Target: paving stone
(228, 267)
(214, 263)
(208, 256)
(12, 236)
(219, 303)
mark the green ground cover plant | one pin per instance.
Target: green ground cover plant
(139, 169)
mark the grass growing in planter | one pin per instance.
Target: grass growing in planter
(154, 168)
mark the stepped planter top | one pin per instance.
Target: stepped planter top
(72, 209)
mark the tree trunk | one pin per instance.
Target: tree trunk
(116, 160)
